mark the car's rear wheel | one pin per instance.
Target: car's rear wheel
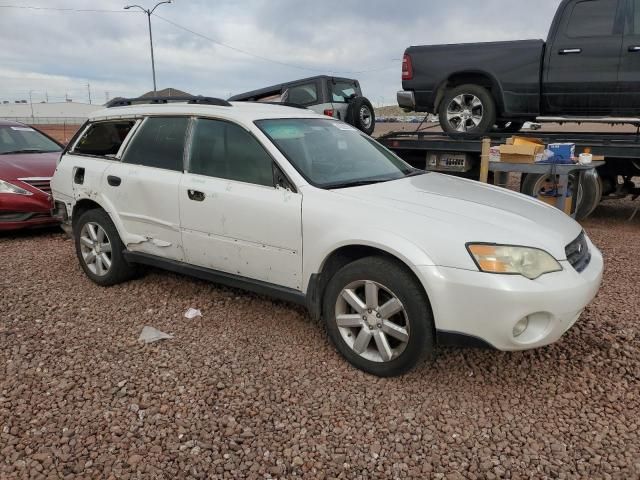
(361, 115)
(99, 249)
(378, 316)
(589, 190)
(467, 109)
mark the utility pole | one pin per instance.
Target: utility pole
(106, 96)
(89, 90)
(31, 103)
(149, 12)
(46, 96)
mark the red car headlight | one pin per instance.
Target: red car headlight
(6, 187)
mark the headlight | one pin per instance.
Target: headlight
(6, 187)
(507, 259)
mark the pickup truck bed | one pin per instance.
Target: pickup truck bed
(517, 65)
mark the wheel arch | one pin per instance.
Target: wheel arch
(344, 254)
(81, 206)
(474, 77)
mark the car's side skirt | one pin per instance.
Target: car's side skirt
(224, 278)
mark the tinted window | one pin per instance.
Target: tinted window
(159, 143)
(104, 138)
(19, 139)
(592, 18)
(633, 22)
(302, 94)
(224, 150)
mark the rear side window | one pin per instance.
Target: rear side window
(302, 94)
(341, 91)
(159, 143)
(592, 18)
(224, 150)
(104, 138)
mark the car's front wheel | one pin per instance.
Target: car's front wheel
(99, 249)
(378, 316)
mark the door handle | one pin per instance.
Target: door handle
(634, 48)
(114, 181)
(570, 51)
(195, 195)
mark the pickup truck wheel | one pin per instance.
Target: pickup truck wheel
(361, 115)
(99, 249)
(378, 316)
(589, 190)
(467, 109)
(508, 127)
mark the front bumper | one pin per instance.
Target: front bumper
(406, 100)
(487, 307)
(25, 211)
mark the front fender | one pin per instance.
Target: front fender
(317, 253)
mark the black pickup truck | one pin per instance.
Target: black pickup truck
(588, 67)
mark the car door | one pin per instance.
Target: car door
(234, 219)
(143, 188)
(629, 76)
(581, 63)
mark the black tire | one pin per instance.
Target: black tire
(417, 315)
(120, 270)
(508, 127)
(589, 196)
(487, 107)
(361, 115)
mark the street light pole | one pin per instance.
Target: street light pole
(149, 12)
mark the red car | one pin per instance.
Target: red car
(27, 161)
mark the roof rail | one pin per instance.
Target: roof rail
(200, 100)
(282, 104)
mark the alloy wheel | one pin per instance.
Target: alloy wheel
(465, 112)
(95, 248)
(372, 321)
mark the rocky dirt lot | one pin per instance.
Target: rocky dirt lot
(253, 389)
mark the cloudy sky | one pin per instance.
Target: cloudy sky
(57, 53)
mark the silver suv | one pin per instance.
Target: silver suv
(335, 97)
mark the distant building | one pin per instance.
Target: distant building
(49, 113)
(166, 92)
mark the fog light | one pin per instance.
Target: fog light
(520, 327)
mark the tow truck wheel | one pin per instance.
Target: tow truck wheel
(589, 190)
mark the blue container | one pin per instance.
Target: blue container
(562, 152)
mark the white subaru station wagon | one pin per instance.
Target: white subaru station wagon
(302, 207)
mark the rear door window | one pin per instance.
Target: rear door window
(341, 91)
(103, 139)
(305, 94)
(592, 18)
(159, 143)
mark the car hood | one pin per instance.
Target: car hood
(21, 165)
(456, 209)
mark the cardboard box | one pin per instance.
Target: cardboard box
(523, 153)
(551, 200)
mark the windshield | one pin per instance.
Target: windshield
(19, 139)
(331, 154)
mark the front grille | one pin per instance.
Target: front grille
(41, 183)
(578, 253)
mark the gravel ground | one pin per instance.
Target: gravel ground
(253, 389)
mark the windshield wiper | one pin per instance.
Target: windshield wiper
(415, 173)
(356, 183)
(27, 150)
